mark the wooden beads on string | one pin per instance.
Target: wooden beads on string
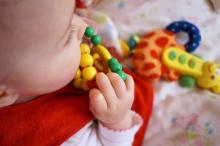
(116, 67)
(94, 58)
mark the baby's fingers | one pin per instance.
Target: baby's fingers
(98, 103)
(129, 83)
(106, 89)
(118, 84)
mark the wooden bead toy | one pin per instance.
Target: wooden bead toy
(94, 58)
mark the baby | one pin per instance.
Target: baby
(39, 54)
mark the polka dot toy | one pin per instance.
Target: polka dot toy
(192, 31)
(94, 58)
(147, 56)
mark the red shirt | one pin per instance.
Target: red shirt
(53, 118)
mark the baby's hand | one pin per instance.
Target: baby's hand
(111, 103)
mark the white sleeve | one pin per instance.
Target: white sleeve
(110, 137)
(94, 134)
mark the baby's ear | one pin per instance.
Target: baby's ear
(7, 96)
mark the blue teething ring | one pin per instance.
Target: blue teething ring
(192, 31)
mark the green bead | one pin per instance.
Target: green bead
(89, 32)
(192, 63)
(96, 40)
(112, 61)
(115, 67)
(182, 59)
(172, 55)
(187, 81)
(122, 74)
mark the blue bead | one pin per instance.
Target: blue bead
(132, 43)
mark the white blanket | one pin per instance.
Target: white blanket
(181, 117)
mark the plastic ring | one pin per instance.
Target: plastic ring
(192, 31)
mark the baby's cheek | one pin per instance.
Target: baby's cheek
(47, 73)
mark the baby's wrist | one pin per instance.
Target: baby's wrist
(125, 123)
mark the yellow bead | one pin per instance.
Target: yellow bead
(84, 85)
(89, 73)
(84, 49)
(86, 60)
(96, 56)
(98, 65)
(125, 48)
(103, 52)
(78, 74)
(77, 83)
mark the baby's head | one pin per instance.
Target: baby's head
(39, 47)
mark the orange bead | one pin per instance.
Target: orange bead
(84, 85)
(77, 83)
(78, 74)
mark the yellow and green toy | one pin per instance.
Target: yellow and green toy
(94, 58)
(206, 73)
